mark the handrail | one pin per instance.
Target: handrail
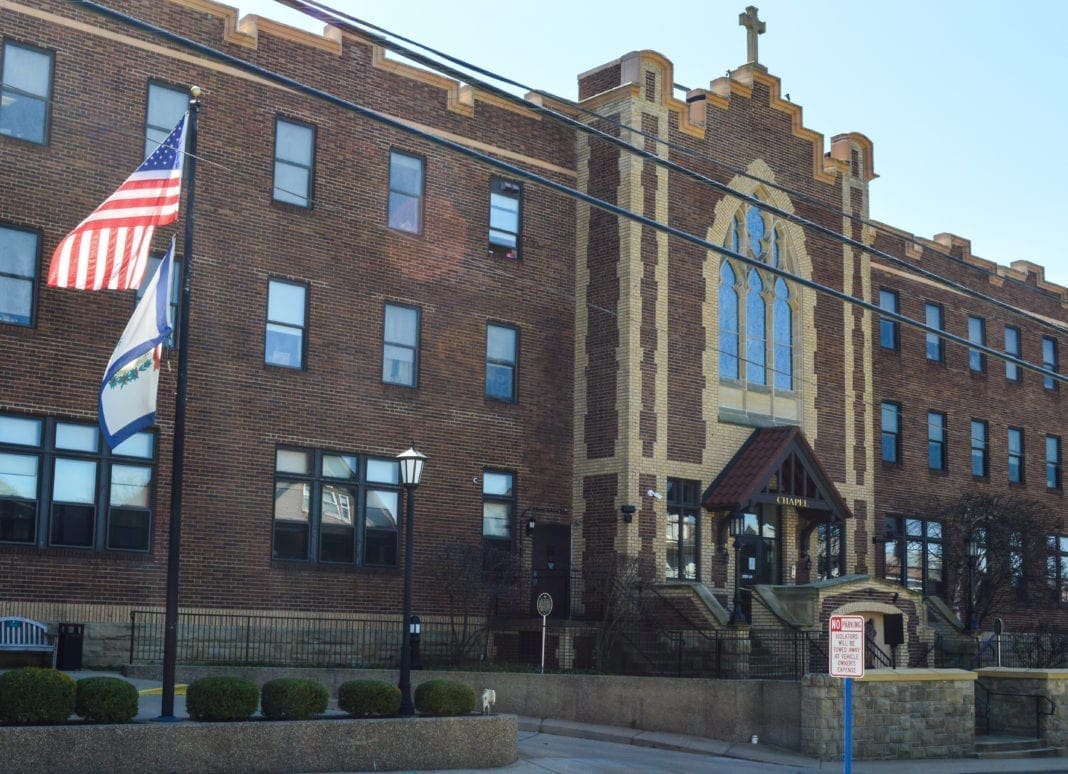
(878, 655)
(691, 624)
(1038, 697)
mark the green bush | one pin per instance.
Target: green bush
(444, 697)
(367, 698)
(35, 695)
(291, 698)
(221, 698)
(106, 700)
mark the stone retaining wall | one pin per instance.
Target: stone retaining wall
(897, 714)
(1013, 702)
(264, 746)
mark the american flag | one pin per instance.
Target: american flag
(109, 249)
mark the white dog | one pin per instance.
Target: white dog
(489, 698)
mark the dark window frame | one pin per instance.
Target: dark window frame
(1054, 463)
(303, 365)
(894, 433)
(1019, 457)
(937, 431)
(909, 529)
(420, 197)
(46, 129)
(315, 481)
(976, 358)
(683, 502)
(47, 453)
(414, 384)
(512, 190)
(33, 279)
(931, 339)
(1013, 372)
(982, 449)
(514, 364)
(492, 545)
(890, 329)
(1050, 361)
(1057, 567)
(309, 197)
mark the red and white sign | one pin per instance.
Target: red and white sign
(847, 646)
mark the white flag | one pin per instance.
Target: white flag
(128, 391)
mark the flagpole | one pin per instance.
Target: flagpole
(174, 549)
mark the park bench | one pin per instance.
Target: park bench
(22, 635)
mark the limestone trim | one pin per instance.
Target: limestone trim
(246, 31)
(793, 237)
(918, 675)
(1024, 674)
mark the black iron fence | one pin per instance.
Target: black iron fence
(212, 638)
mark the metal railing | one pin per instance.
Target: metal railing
(210, 638)
(1044, 706)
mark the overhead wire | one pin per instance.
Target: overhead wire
(328, 15)
(558, 187)
(510, 276)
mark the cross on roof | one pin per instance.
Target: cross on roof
(753, 27)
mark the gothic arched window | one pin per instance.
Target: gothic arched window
(757, 317)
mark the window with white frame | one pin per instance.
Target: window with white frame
(25, 92)
(60, 485)
(20, 251)
(287, 322)
(335, 508)
(294, 161)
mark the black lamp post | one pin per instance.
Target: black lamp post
(971, 548)
(737, 527)
(411, 469)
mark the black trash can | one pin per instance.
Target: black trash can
(69, 647)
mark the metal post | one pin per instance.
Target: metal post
(847, 719)
(973, 623)
(174, 547)
(405, 685)
(544, 622)
(737, 590)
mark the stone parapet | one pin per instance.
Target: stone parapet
(897, 714)
(1026, 702)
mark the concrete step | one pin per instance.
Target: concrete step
(994, 747)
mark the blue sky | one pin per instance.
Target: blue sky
(962, 100)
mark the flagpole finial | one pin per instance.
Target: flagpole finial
(195, 92)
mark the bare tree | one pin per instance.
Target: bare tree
(474, 581)
(1010, 566)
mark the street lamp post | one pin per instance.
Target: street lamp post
(737, 527)
(971, 547)
(411, 469)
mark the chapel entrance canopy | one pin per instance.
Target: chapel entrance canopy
(777, 466)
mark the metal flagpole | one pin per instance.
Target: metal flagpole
(174, 549)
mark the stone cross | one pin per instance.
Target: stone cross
(754, 27)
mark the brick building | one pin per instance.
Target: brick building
(585, 387)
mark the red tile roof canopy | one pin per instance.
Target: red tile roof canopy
(775, 465)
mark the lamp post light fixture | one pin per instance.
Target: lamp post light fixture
(737, 527)
(971, 548)
(411, 470)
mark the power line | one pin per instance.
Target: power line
(553, 185)
(329, 15)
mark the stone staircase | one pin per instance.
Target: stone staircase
(1014, 747)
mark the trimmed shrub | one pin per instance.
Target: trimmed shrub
(291, 698)
(106, 700)
(34, 695)
(221, 698)
(368, 698)
(444, 697)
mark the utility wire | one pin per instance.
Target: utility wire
(239, 167)
(551, 184)
(347, 22)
